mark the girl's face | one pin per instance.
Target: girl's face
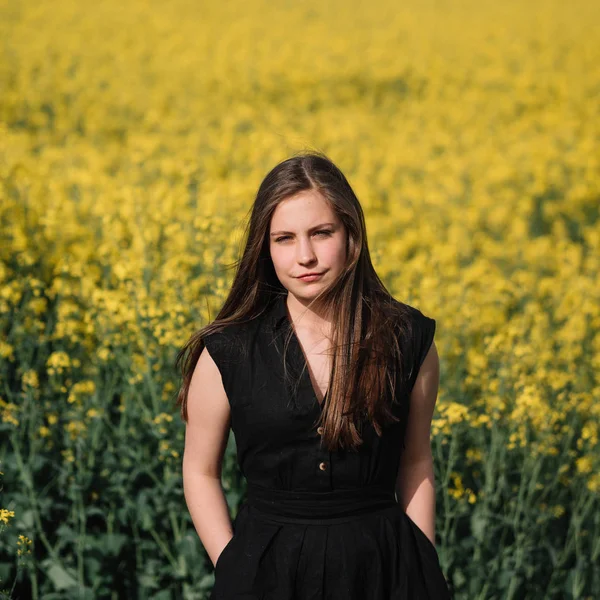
(306, 236)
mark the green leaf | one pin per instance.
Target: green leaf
(60, 577)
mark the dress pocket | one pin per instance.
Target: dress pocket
(422, 537)
(223, 552)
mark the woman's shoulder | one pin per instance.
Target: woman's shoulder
(416, 331)
(412, 318)
(227, 333)
(228, 348)
(231, 339)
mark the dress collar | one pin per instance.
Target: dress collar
(301, 389)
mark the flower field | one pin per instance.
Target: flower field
(133, 137)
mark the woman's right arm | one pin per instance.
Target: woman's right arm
(206, 435)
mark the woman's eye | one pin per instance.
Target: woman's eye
(285, 237)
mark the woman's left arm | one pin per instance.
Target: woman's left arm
(415, 484)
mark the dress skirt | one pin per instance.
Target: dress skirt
(347, 544)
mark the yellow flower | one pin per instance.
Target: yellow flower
(162, 417)
(9, 411)
(6, 515)
(58, 359)
(6, 351)
(68, 455)
(38, 305)
(30, 379)
(593, 483)
(23, 545)
(584, 464)
(81, 388)
(104, 354)
(75, 429)
(474, 454)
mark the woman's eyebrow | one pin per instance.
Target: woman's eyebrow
(274, 233)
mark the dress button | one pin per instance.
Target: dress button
(323, 466)
(320, 430)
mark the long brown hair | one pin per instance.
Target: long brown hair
(367, 361)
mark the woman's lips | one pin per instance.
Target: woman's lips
(312, 277)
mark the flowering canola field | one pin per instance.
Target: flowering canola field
(133, 137)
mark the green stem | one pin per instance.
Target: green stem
(164, 548)
(26, 478)
(81, 540)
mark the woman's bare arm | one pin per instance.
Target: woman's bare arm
(415, 485)
(206, 435)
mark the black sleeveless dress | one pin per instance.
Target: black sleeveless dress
(315, 525)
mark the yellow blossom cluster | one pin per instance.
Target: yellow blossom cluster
(24, 545)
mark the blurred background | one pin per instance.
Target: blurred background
(133, 137)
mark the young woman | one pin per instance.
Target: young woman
(314, 366)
